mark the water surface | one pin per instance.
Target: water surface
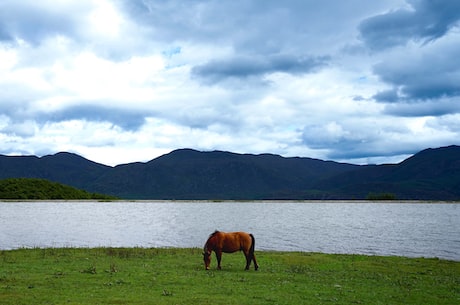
(407, 229)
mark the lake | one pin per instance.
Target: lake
(372, 228)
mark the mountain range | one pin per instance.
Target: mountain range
(431, 174)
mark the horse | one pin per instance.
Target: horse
(222, 242)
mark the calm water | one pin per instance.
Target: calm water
(408, 229)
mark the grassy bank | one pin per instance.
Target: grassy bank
(177, 276)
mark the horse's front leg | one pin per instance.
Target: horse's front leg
(219, 257)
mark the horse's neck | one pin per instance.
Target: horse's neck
(207, 246)
(210, 244)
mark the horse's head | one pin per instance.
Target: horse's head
(207, 258)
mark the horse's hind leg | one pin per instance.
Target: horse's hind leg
(251, 257)
(255, 262)
(248, 260)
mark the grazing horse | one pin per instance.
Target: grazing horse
(220, 242)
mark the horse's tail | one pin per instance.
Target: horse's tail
(251, 252)
(253, 245)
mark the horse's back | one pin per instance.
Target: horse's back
(236, 241)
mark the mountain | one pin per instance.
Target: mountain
(189, 174)
(429, 174)
(432, 174)
(65, 168)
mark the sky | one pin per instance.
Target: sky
(120, 81)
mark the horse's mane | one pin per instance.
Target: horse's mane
(211, 235)
(214, 233)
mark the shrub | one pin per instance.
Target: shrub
(41, 189)
(381, 196)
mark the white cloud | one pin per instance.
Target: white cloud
(104, 19)
(88, 77)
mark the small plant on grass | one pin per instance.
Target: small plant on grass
(167, 293)
(90, 270)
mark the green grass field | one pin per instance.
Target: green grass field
(177, 276)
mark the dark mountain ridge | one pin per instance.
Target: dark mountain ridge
(432, 174)
(429, 174)
(66, 168)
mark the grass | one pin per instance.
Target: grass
(177, 276)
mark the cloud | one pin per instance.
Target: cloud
(44, 19)
(422, 78)
(370, 139)
(22, 118)
(423, 20)
(448, 123)
(387, 96)
(251, 27)
(250, 66)
(125, 80)
(125, 118)
(438, 107)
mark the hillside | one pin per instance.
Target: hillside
(63, 167)
(189, 174)
(40, 189)
(429, 174)
(432, 174)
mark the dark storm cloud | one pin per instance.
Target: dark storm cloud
(419, 83)
(244, 67)
(426, 108)
(387, 96)
(367, 150)
(250, 26)
(126, 119)
(426, 82)
(426, 20)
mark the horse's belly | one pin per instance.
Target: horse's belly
(230, 249)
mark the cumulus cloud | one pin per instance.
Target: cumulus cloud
(369, 140)
(422, 20)
(425, 81)
(44, 19)
(418, 80)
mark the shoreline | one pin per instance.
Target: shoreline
(237, 201)
(173, 249)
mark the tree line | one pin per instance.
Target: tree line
(42, 189)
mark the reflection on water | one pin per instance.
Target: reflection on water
(429, 230)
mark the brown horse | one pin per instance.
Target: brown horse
(220, 242)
